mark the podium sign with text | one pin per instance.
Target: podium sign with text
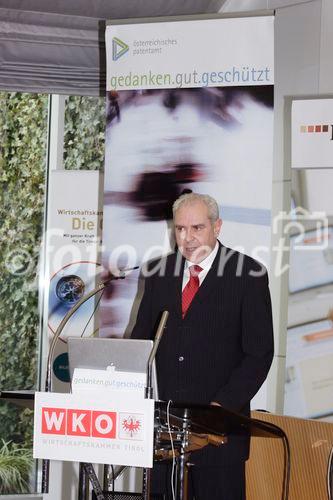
(94, 428)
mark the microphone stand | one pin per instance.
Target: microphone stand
(149, 392)
(48, 381)
(158, 336)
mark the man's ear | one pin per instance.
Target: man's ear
(217, 227)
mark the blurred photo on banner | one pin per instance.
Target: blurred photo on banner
(162, 142)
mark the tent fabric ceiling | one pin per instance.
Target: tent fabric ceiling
(116, 9)
(58, 47)
(51, 53)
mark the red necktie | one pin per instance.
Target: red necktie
(191, 288)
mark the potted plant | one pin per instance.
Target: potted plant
(15, 468)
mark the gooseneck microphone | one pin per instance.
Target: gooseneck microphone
(158, 336)
(48, 379)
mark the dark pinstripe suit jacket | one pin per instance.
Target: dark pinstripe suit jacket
(223, 348)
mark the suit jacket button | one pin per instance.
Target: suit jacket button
(181, 358)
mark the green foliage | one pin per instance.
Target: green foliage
(15, 467)
(17, 423)
(84, 133)
(23, 140)
(23, 133)
(23, 128)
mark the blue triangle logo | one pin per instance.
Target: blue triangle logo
(119, 48)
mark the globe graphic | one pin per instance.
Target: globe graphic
(70, 289)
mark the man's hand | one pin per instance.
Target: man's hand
(214, 403)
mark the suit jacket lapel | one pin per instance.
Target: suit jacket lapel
(175, 282)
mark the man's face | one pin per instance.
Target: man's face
(195, 233)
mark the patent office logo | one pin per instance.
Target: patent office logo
(119, 48)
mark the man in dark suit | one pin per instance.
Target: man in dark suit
(218, 344)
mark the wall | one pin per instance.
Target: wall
(303, 41)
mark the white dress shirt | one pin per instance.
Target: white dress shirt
(206, 264)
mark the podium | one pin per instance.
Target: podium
(184, 428)
(181, 429)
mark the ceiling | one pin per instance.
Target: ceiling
(116, 9)
(57, 46)
(125, 9)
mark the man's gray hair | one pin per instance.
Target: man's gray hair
(189, 198)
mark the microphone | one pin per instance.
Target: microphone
(122, 274)
(48, 379)
(158, 336)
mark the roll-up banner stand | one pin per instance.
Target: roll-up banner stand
(73, 242)
(189, 106)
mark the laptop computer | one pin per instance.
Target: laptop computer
(130, 355)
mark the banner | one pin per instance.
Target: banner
(309, 370)
(94, 428)
(189, 107)
(189, 54)
(312, 133)
(73, 241)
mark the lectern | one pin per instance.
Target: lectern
(180, 430)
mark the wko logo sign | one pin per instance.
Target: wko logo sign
(65, 422)
(119, 48)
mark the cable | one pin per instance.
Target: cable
(286, 453)
(173, 451)
(330, 475)
(86, 326)
(286, 471)
(112, 468)
(92, 314)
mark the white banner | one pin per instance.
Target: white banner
(201, 53)
(73, 241)
(189, 108)
(94, 428)
(312, 133)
